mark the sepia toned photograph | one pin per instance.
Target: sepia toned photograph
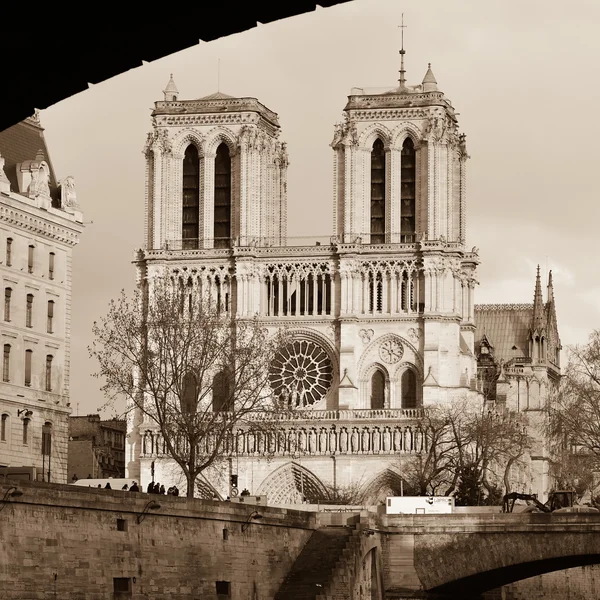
(301, 302)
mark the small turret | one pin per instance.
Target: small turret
(171, 92)
(429, 82)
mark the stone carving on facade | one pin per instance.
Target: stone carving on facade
(158, 139)
(414, 334)
(68, 195)
(391, 351)
(344, 440)
(366, 335)
(40, 178)
(345, 134)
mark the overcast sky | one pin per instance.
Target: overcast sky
(523, 77)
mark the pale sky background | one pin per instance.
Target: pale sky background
(523, 77)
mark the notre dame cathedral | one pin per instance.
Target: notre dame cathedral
(383, 311)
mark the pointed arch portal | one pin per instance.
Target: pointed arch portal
(292, 483)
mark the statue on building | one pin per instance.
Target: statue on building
(68, 197)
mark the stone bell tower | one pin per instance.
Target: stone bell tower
(215, 173)
(399, 193)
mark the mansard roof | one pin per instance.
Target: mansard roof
(507, 328)
(22, 142)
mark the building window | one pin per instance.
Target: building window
(49, 327)
(47, 439)
(223, 590)
(30, 259)
(189, 394)
(51, 265)
(191, 198)
(28, 356)
(3, 427)
(7, 297)
(378, 390)
(49, 373)
(378, 193)
(9, 252)
(6, 363)
(25, 432)
(222, 229)
(122, 588)
(408, 177)
(221, 391)
(29, 311)
(409, 389)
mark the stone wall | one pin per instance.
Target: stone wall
(71, 542)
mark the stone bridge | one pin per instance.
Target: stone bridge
(463, 556)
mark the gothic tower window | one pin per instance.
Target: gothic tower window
(378, 193)
(408, 192)
(191, 198)
(409, 389)
(222, 197)
(377, 390)
(3, 427)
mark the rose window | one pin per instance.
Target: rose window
(301, 373)
(391, 351)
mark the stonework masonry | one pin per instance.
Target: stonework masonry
(70, 543)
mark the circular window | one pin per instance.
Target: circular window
(301, 373)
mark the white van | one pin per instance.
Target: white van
(419, 505)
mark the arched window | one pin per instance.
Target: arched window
(7, 297)
(28, 358)
(378, 390)
(221, 391)
(378, 193)
(50, 324)
(189, 394)
(29, 311)
(191, 198)
(222, 231)
(409, 389)
(9, 242)
(4, 428)
(408, 177)
(6, 363)
(49, 373)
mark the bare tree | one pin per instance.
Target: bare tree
(468, 452)
(574, 406)
(190, 368)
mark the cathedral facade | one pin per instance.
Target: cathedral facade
(382, 313)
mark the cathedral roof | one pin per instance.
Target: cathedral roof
(506, 327)
(24, 142)
(217, 103)
(216, 96)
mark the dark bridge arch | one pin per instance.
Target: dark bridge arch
(473, 553)
(484, 582)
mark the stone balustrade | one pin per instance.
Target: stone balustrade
(304, 439)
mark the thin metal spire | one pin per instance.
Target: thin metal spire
(402, 80)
